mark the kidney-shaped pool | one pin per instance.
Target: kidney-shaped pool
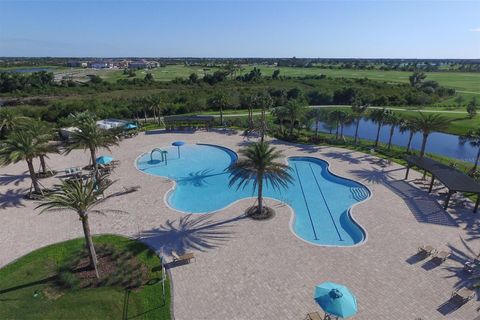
(321, 200)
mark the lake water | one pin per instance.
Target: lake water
(438, 143)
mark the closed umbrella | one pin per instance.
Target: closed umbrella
(335, 299)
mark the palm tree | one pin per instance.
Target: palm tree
(358, 109)
(317, 115)
(294, 111)
(9, 121)
(219, 101)
(22, 146)
(258, 165)
(80, 196)
(339, 117)
(378, 116)
(155, 106)
(90, 136)
(43, 132)
(428, 123)
(281, 114)
(393, 120)
(473, 137)
(408, 125)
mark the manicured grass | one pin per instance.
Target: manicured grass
(35, 272)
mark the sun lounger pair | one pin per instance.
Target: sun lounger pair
(431, 251)
(463, 295)
(184, 257)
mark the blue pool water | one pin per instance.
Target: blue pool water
(321, 200)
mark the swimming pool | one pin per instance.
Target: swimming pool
(320, 199)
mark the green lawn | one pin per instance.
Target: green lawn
(35, 272)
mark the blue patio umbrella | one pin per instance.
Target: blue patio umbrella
(178, 144)
(130, 126)
(104, 159)
(335, 299)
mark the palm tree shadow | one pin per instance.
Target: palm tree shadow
(16, 179)
(190, 232)
(198, 178)
(343, 156)
(13, 198)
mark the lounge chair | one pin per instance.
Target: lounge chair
(313, 316)
(184, 257)
(442, 255)
(463, 295)
(428, 250)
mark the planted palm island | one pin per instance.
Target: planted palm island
(102, 277)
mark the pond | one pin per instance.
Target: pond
(438, 143)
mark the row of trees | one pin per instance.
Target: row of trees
(28, 139)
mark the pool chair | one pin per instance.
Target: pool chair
(427, 250)
(313, 316)
(442, 255)
(463, 295)
(184, 257)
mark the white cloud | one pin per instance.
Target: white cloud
(475, 30)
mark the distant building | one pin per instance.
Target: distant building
(100, 65)
(142, 64)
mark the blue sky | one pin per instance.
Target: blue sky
(401, 29)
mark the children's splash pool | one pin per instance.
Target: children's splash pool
(320, 199)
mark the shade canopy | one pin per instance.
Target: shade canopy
(335, 299)
(178, 143)
(104, 159)
(130, 126)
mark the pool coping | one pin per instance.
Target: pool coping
(292, 211)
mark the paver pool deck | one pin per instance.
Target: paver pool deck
(259, 269)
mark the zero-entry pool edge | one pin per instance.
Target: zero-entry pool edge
(345, 182)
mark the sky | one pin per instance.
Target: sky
(324, 29)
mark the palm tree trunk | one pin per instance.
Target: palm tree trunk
(292, 126)
(424, 144)
(476, 161)
(145, 116)
(410, 141)
(341, 131)
(43, 164)
(336, 131)
(260, 194)
(316, 129)
(31, 170)
(356, 131)
(221, 116)
(392, 130)
(94, 162)
(378, 134)
(89, 243)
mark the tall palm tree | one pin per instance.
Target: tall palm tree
(358, 109)
(378, 116)
(408, 125)
(21, 146)
(281, 114)
(393, 120)
(317, 115)
(219, 101)
(90, 136)
(295, 110)
(426, 123)
(43, 132)
(155, 106)
(259, 165)
(339, 117)
(473, 137)
(80, 196)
